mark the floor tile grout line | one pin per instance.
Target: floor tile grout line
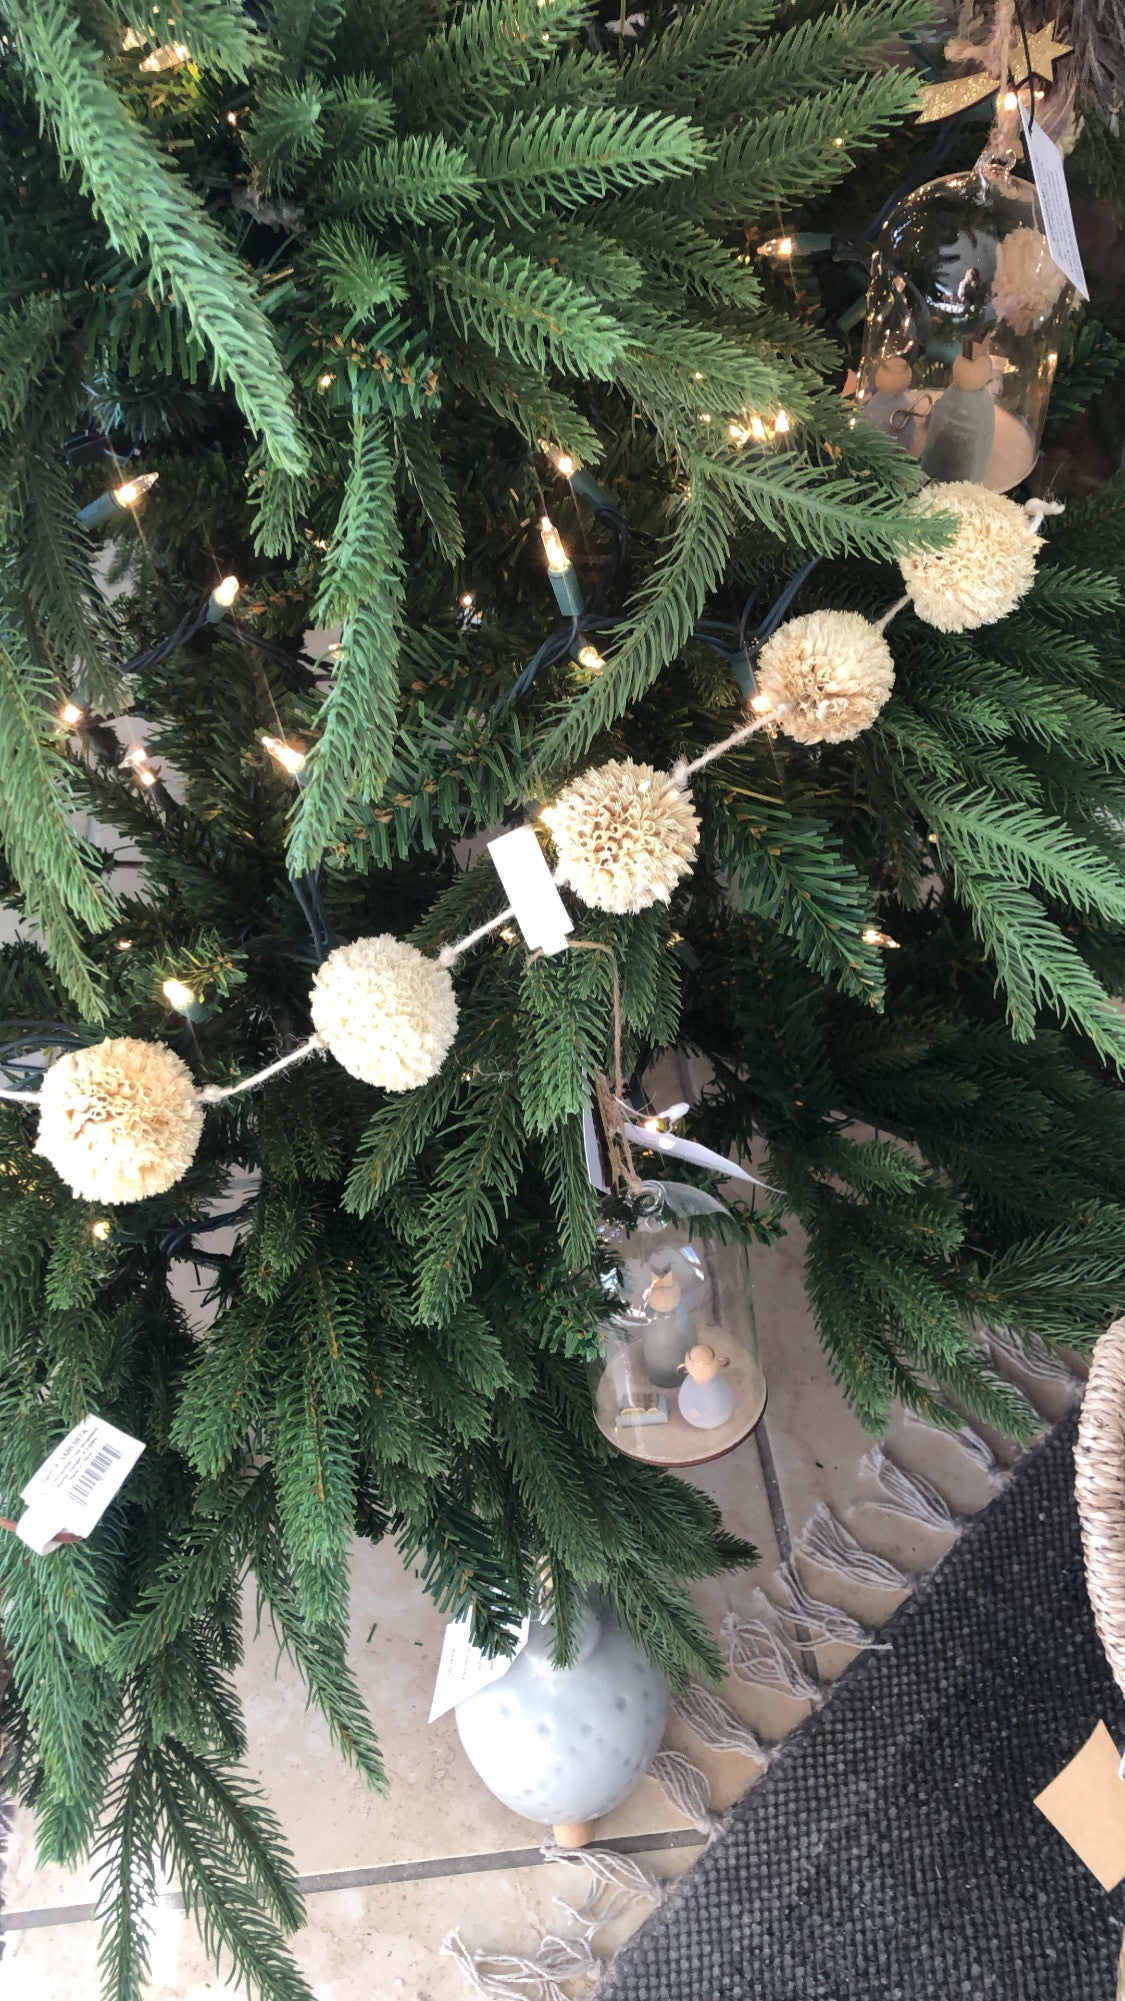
(427, 1869)
(784, 1537)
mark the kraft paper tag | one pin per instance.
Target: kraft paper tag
(1086, 1803)
(1054, 202)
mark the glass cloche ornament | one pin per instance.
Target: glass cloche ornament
(678, 1380)
(965, 316)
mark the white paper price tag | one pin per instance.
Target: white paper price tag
(1054, 202)
(530, 888)
(75, 1485)
(463, 1669)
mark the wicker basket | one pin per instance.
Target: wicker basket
(1099, 1489)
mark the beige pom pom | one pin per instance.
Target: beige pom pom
(120, 1121)
(987, 568)
(625, 834)
(387, 1012)
(1027, 281)
(831, 670)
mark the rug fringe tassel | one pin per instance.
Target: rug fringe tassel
(1035, 1360)
(969, 1442)
(718, 1726)
(508, 1976)
(908, 1494)
(756, 1653)
(615, 1882)
(687, 1787)
(826, 1541)
(813, 1621)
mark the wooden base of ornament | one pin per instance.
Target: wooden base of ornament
(678, 1443)
(575, 1834)
(1013, 448)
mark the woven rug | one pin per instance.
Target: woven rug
(892, 1851)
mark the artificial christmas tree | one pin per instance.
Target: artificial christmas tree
(311, 320)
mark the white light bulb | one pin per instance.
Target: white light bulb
(134, 489)
(557, 558)
(226, 592)
(286, 754)
(177, 994)
(70, 713)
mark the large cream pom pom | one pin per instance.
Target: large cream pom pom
(831, 671)
(986, 569)
(624, 834)
(1026, 282)
(120, 1121)
(387, 1012)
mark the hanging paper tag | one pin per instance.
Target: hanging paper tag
(75, 1485)
(463, 1670)
(1054, 202)
(592, 1147)
(1086, 1803)
(530, 888)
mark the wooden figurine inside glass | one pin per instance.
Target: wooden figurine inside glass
(679, 1380)
(965, 315)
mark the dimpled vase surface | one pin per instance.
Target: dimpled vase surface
(565, 1745)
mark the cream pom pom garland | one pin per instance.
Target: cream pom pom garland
(119, 1121)
(987, 568)
(827, 674)
(386, 1012)
(625, 835)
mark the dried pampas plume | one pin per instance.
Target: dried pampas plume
(830, 671)
(120, 1121)
(625, 835)
(987, 568)
(1027, 281)
(386, 1012)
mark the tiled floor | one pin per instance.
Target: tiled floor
(388, 1879)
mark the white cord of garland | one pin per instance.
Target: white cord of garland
(215, 1094)
(21, 1097)
(815, 1622)
(826, 1541)
(449, 954)
(907, 1494)
(756, 1653)
(899, 604)
(682, 770)
(716, 1724)
(686, 1787)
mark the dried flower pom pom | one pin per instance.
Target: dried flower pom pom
(120, 1121)
(387, 1012)
(1027, 281)
(625, 834)
(986, 569)
(831, 671)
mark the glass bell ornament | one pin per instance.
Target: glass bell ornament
(965, 316)
(678, 1380)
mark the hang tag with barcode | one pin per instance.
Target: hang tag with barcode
(463, 1670)
(1054, 202)
(75, 1485)
(530, 888)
